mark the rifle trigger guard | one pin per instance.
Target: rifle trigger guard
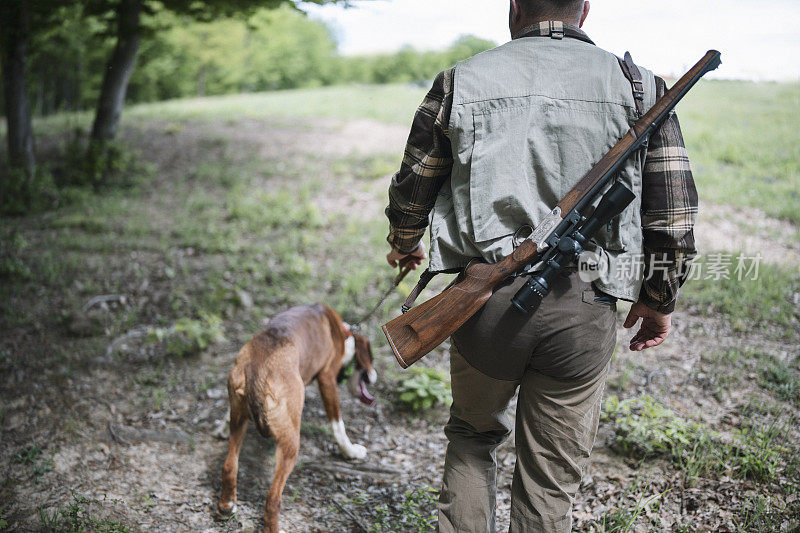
(518, 238)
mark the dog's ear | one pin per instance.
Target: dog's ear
(363, 353)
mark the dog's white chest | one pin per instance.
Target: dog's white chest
(349, 350)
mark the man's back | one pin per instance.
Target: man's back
(528, 120)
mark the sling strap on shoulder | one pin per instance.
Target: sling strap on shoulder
(634, 76)
(555, 29)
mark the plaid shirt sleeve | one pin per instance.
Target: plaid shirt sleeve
(426, 166)
(669, 212)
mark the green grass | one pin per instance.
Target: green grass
(744, 144)
(644, 428)
(392, 103)
(742, 136)
(769, 299)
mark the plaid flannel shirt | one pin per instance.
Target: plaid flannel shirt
(669, 196)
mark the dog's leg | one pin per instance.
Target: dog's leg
(284, 416)
(239, 419)
(330, 398)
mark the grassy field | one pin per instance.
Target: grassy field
(742, 137)
(242, 206)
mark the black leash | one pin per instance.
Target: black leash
(405, 268)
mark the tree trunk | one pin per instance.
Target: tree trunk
(15, 31)
(118, 71)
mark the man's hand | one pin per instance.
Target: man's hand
(655, 327)
(417, 257)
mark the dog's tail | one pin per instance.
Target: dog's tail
(256, 394)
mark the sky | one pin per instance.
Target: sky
(759, 39)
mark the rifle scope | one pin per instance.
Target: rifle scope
(565, 250)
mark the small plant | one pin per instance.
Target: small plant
(77, 517)
(425, 388)
(780, 379)
(188, 336)
(754, 512)
(757, 453)
(21, 195)
(645, 428)
(3, 522)
(107, 163)
(28, 456)
(11, 263)
(622, 519)
(380, 521)
(419, 509)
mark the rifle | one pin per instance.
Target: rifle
(557, 241)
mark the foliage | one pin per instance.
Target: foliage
(623, 518)
(188, 336)
(28, 456)
(31, 457)
(77, 517)
(193, 54)
(756, 452)
(107, 163)
(416, 511)
(425, 388)
(780, 378)
(66, 59)
(3, 522)
(11, 264)
(20, 195)
(419, 509)
(645, 428)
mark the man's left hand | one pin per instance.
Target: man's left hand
(654, 330)
(417, 256)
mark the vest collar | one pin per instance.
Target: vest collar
(554, 29)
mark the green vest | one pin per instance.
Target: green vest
(529, 119)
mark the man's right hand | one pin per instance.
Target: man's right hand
(654, 330)
(417, 257)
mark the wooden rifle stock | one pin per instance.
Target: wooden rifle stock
(415, 333)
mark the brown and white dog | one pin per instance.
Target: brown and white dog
(268, 383)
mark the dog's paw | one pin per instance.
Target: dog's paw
(354, 451)
(224, 510)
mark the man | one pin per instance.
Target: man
(496, 143)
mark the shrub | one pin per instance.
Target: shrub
(425, 388)
(188, 336)
(645, 428)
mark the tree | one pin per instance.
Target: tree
(118, 70)
(15, 27)
(129, 30)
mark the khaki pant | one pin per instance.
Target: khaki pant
(556, 424)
